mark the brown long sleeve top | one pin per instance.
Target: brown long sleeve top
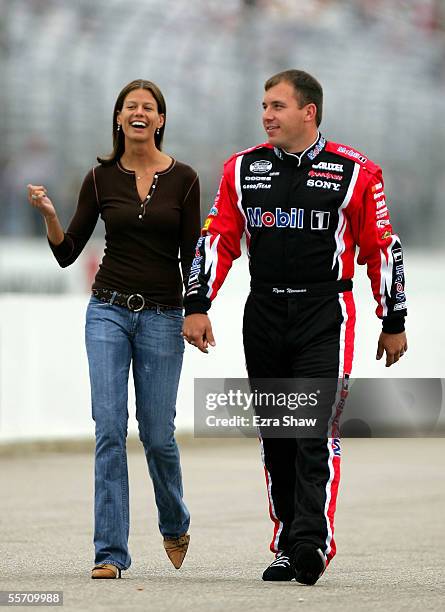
(143, 239)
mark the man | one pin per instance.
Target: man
(304, 204)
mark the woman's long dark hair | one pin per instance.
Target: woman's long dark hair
(118, 136)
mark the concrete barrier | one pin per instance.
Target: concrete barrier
(44, 389)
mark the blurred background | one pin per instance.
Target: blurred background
(62, 64)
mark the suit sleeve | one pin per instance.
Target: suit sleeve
(381, 251)
(190, 226)
(218, 246)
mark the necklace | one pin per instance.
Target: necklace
(141, 176)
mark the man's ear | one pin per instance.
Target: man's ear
(311, 112)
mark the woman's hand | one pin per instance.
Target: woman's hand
(38, 199)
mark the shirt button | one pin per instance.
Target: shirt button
(140, 216)
(142, 206)
(156, 176)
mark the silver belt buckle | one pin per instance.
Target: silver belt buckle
(135, 295)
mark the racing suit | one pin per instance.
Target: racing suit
(303, 216)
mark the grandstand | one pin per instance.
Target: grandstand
(382, 65)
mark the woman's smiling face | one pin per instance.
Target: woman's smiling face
(139, 117)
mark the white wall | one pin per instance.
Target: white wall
(44, 388)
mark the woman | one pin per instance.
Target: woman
(150, 205)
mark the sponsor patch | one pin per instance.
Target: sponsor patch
(382, 213)
(195, 268)
(336, 448)
(320, 219)
(257, 186)
(353, 154)
(317, 149)
(326, 175)
(382, 223)
(328, 166)
(385, 235)
(319, 184)
(401, 306)
(207, 223)
(261, 166)
(397, 255)
(279, 218)
(213, 211)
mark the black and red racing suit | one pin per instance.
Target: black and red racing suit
(303, 216)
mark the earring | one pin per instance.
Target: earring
(158, 131)
(118, 127)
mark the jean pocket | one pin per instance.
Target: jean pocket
(173, 313)
(94, 301)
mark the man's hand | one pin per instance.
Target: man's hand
(395, 346)
(197, 330)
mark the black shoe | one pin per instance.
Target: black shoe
(308, 563)
(279, 569)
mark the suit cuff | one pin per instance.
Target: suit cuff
(393, 324)
(195, 306)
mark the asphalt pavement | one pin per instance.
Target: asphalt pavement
(389, 530)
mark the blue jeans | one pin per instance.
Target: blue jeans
(152, 341)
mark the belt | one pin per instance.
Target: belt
(133, 301)
(314, 289)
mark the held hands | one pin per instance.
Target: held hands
(197, 330)
(395, 346)
(38, 199)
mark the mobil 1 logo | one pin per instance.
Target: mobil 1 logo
(295, 218)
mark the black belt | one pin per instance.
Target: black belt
(133, 301)
(290, 290)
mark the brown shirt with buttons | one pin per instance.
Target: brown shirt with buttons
(143, 239)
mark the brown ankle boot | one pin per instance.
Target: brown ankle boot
(176, 549)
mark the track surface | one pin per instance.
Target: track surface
(389, 530)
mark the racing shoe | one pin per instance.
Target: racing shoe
(308, 563)
(280, 569)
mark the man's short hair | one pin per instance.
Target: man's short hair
(307, 88)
